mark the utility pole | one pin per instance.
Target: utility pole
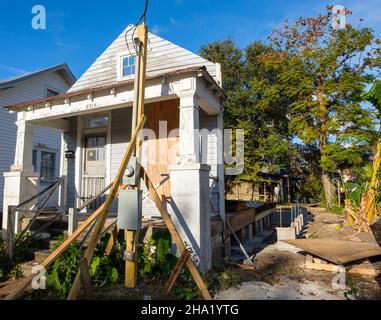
(132, 236)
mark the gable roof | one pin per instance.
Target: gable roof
(163, 57)
(61, 68)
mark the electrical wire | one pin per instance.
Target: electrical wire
(133, 28)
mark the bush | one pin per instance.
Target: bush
(10, 269)
(155, 258)
(104, 270)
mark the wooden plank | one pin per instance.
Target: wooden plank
(363, 269)
(176, 272)
(176, 237)
(337, 251)
(85, 278)
(111, 241)
(246, 267)
(106, 207)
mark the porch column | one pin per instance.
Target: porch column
(190, 190)
(17, 186)
(24, 147)
(190, 204)
(189, 144)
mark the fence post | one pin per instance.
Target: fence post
(72, 221)
(11, 230)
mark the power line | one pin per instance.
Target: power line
(143, 19)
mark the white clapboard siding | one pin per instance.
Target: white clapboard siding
(163, 57)
(30, 89)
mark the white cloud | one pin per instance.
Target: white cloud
(156, 29)
(16, 71)
(173, 21)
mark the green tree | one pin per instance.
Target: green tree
(324, 72)
(267, 142)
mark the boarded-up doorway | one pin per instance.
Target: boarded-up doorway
(162, 151)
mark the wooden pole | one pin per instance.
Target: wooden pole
(132, 236)
(131, 275)
(176, 272)
(85, 278)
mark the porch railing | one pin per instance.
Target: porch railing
(35, 205)
(93, 189)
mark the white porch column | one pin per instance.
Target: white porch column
(24, 147)
(17, 186)
(190, 204)
(190, 190)
(189, 144)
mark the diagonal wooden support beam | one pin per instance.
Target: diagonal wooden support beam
(85, 278)
(176, 237)
(176, 272)
(111, 241)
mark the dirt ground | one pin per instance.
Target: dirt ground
(280, 274)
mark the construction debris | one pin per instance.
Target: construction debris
(364, 268)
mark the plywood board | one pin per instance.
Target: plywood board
(337, 251)
(161, 153)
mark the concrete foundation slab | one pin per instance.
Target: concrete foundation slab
(286, 233)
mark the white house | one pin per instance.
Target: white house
(46, 143)
(183, 90)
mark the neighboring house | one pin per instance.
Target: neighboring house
(46, 143)
(95, 117)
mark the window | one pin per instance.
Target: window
(94, 142)
(128, 66)
(96, 122)
(48, 164)
(51, 93)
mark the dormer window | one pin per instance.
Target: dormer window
(128, 66)
(125, 66)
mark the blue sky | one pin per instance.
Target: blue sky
(79, 31)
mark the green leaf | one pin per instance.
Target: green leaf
(114, 275)
(163, 248)
(94, 265)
